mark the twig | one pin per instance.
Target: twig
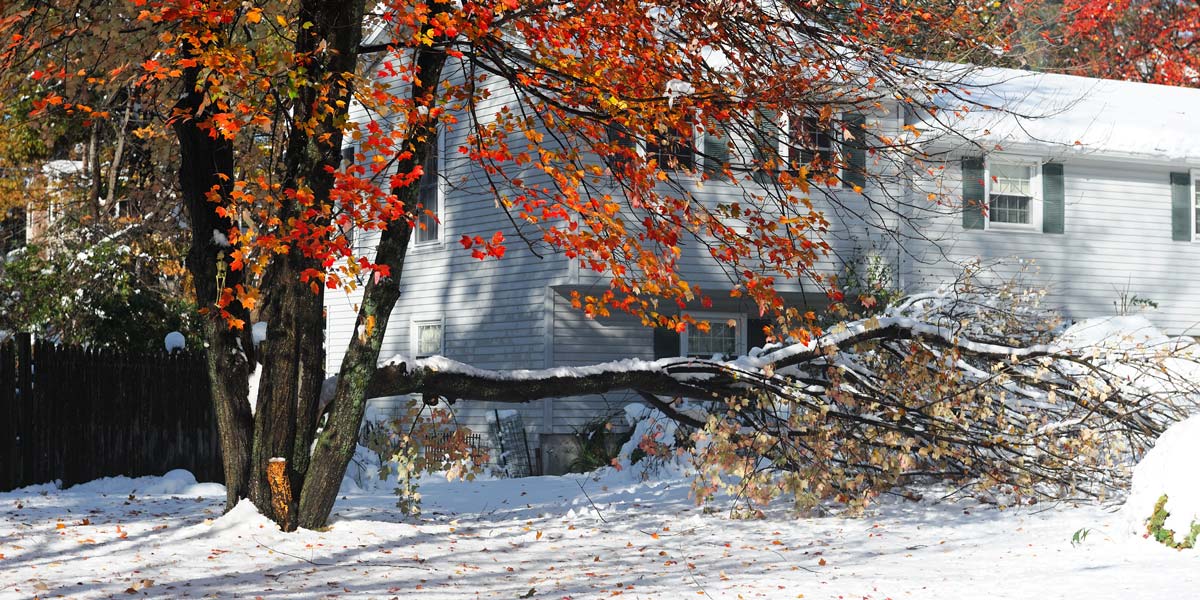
(593, 504)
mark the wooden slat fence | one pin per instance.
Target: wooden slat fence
(75, 414)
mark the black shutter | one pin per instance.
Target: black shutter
(766, 145)
(1181, 207)
(855, 153)
(666, 343)
(755, 337)
(1053, 198)
(973, 203)
(716, 152)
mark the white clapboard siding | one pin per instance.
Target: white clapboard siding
(515, 313)
(1117, 240)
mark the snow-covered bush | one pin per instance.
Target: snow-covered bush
(103, 291)
(596, 444)
(654, 440)
(1164, 502)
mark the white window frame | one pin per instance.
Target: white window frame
(440, 192)
(414, 338)
(1035, 191)
(717, 317)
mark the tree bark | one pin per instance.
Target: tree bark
(335, 445)
(293, 368)
(206, 163)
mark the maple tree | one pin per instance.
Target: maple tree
(258, 98)
(1137, 40)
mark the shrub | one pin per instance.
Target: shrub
(596, 445)
(1155, 526)
(424, 440)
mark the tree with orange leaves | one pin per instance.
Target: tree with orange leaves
(258, 96)
(1136, 40)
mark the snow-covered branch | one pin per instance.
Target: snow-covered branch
(909, 393)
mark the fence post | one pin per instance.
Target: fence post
(25, 408)
(10, 422)
(24, 365)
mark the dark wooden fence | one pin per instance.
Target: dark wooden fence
(75, 414)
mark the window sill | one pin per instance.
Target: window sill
(430, 246)
(1013, 228)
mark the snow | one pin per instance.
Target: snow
(258, 333)
(1113, 331)
(577, 536)
(252, 384)
(647, 423)
(174, 341)
(243, 517)
(1168, 468)
(441, 363)
(1073, 115)
(62, 168)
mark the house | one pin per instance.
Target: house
(1093, 182)
(62, 177)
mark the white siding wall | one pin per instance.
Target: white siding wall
(1117, 238)
(578, 341)
(492, 311)
(504, 315)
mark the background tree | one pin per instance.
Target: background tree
(1154, 42)
(258, 96)
(93, 180)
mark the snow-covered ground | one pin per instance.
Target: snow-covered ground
(564, 537)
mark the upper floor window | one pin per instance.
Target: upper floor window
(429, 228)
(1010, 193)
(674, 147)
(1014, 193)
(809, 142)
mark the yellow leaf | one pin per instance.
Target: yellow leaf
(282, 21)
(254, 16)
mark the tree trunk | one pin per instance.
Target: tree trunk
(293, 369)
(335, 445)
(206, 163)
(285, 421)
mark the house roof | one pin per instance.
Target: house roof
(58, 169)
(1006, 109)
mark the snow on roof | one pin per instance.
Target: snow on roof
(62, 168)
(1070, 114)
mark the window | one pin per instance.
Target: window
(725, 336)
(429, 228)
(1010, 196)
(674, 147)
(427, 337)
(1013, 194)
(808, 143)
